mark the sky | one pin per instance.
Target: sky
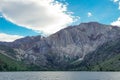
(20, 18)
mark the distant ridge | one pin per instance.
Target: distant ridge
(58, 51)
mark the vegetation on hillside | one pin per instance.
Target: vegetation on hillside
(8, 64)
(104, 58)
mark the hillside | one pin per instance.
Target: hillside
(8, 64)
(104, 58)
(88, 46)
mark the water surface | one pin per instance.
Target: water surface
(59, 75)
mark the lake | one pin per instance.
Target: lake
(59, 75)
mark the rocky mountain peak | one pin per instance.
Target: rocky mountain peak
(71, 43)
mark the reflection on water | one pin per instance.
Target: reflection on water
(59, 75)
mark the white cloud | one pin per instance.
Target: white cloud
(115, 0)
(119, 5)
(116, 23)
(118, 2)
(47, 16)
(9, 38)
(89, 14)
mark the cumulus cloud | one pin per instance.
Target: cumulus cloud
(118, 2)
(116, 23)
(89, 14)
(46, 16)
(115, 0)
(9, 38)
(119, 5)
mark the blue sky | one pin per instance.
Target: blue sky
(21, 20)
(104, 11)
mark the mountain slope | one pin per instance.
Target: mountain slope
(112, 64)
(104, 58)
(66, 47)
(72, 43)
(8, 64)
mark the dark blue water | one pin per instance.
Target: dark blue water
(59, 75)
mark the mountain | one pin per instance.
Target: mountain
(9, 64)
(104, 58)
(72, 47)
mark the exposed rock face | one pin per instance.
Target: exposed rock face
(69, 44)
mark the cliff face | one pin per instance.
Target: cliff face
(65, 46)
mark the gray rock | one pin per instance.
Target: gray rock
(69, 44)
